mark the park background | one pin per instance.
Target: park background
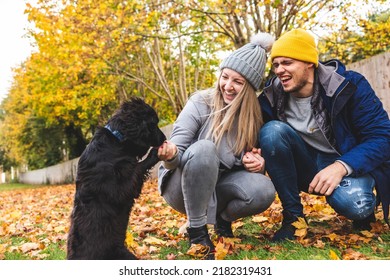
(89, 56)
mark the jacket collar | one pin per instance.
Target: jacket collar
(272, 86)
(330, 77)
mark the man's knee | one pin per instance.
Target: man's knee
(354, 203)
(274, 132)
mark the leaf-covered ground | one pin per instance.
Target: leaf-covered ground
(34, 221)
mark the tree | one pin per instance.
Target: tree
(93, 54)
(370, 39)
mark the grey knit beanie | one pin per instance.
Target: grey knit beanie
(250, 60)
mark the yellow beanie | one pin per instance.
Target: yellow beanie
(297, 44)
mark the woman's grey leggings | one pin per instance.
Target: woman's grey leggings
(239, 193)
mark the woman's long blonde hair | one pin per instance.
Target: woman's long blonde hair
(240, 120)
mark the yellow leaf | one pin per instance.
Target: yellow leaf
(333, 255)
(59, 228)
(300, 223)
(129, 241)
(16, 215)
(170, 223)
(221, 251)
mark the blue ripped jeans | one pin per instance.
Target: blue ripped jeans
(292, 164)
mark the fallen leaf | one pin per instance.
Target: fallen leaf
(300, 223)
(198, 251)
(26, 247)
(59, 229)
(171, 256)
(366, 233)
(319, 244)
(154, 241)
(259, 219)
(221, 251)
(301, 232)
(129, 241)
(350, 254)
(333, 255)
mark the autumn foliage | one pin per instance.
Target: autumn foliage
(91, 55)
(39, 218)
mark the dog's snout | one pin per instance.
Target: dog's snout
(162, 138)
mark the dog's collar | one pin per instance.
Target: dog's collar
(116, 133)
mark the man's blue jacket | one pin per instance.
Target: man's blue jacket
(351, 117)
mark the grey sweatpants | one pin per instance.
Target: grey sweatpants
(200, 189)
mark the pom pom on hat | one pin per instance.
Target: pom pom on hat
(250, 60)
(264, 40)
(297, 44)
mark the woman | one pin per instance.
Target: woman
(212, 170)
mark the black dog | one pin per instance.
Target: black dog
(110, 176)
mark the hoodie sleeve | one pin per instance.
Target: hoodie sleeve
(186, 127)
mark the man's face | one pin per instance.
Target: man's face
(295, 76)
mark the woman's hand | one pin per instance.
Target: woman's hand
(167, 151)
(253, 161)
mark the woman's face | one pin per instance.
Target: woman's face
(230, 84)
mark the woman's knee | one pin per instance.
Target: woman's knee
(203, 146)
(266, 196)
(261, 194)
(203, 152)
(173, 193)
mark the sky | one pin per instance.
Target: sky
(14, 46)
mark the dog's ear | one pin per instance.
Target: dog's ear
(127, 105)
(136, 107)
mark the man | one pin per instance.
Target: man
(326, 134)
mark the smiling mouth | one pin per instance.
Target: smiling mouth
(285, 80)
(230, 94)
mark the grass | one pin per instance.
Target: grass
(263, 249)
(39, 215)
(18, 186)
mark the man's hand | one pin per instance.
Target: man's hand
(327, 179)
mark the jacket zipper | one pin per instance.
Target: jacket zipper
(332, 118)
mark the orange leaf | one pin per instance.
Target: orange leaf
(198, 251)
(300, 232)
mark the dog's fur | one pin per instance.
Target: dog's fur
(110, 176)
